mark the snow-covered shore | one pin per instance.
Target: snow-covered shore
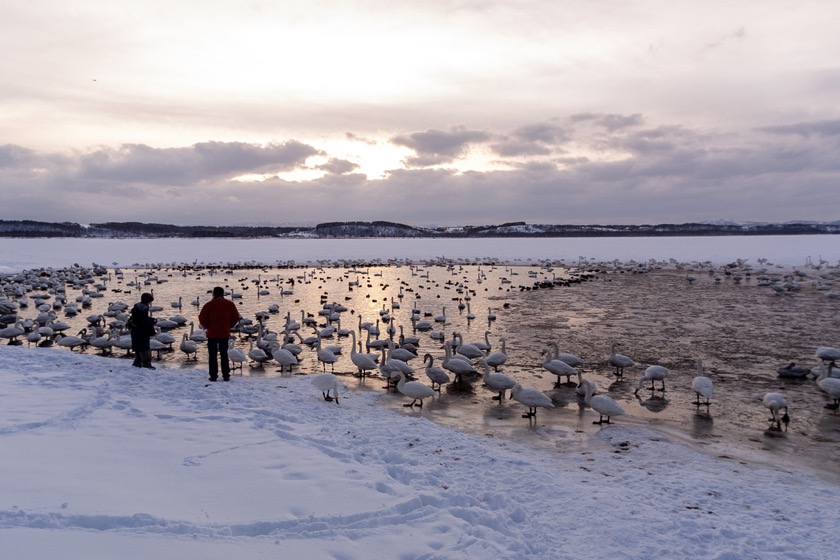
(103, 460)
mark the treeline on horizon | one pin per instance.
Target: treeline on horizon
(32, 228)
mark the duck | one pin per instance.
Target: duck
(794, 371)
(530, 397)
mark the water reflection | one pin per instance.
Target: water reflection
(738, 330)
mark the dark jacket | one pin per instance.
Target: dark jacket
(144, 327)
(218, 316)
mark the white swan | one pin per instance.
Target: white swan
(828, 354)
(775, 402)
(364, 362)
(570, 359)
(498, 382)
(559, 368)
(702, 385)
(619, 361)
(653, 374)
(469, 350)
(530, 397)
(326, 383)
(435, 374)
(325, 356)
(457, 366)
(188, 347)
(414, 389)
(498, 357)
(283, 357)
(602, 404)
(830, 385)
(257, 354)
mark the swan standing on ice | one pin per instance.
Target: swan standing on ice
(830, 385)
(188, 347)
(653, 374)
(619, 361)
(559, 368)
(327, 382)
(530, 397)
(775, 402)
(364, 362)
(702, 386)
(497, 358)
(414, 389)
(435, 374)
(498, 382)
(236, 355)
(602, 404)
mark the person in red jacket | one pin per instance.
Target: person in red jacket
(218, 316)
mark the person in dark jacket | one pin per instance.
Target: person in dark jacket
(217, 317)
(142, 331)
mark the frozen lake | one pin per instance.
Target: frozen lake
(795, 250)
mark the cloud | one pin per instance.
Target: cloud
(435, 147)
(138, 163)
(806, 129)
(338, 166)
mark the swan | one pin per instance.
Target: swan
(401, 354)
(619, 361)
(702, 385)
(197, 335)
(457, 366)
(828, 354)
(435, 374)
(413, 389)
(830, 385)
(236, 355)
(327, 382)
(104, 342)
(468, 350)
(490, 315)
(71, 341)
(257, 354)
(559, 368)
(415, 340)
(652, 374)
(530, 397)
(13, 332)
(497, 381)
(570, 359)
(325, 356)
(442, 317)
(498, 357)
(775, 402)
(188, 347)
(164, 337)
(364, 362)
(602, 404)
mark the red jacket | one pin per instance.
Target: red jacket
(218, 316)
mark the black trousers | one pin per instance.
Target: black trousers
(218, 350)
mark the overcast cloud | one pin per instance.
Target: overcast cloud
(426, 113)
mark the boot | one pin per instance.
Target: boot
(147, 360)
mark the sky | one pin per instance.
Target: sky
(457, 112)
(102, 460)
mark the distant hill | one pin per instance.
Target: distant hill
(30, 228)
